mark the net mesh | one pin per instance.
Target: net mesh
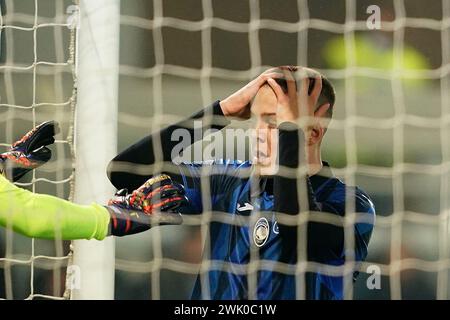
(389, 134)
(36, 84)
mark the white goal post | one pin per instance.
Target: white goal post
(96, 137)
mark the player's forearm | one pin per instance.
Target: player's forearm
(286, 200)
(43, 216)
(291, 141)
(120, 170)
(324, 240)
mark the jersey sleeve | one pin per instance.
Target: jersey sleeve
(136, 164)
(336, 252)
(48, 217)
(364, 226)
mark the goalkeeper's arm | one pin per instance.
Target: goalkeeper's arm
(44, 216)
(48, 217)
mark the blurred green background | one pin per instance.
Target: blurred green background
(395, 122)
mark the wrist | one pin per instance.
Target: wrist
(224, 105)
(285, 118)
(288, 125)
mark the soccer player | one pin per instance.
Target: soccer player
(278, 100)
(44, 216)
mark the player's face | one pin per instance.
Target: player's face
(265, 143)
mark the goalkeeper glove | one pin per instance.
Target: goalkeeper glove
(29, 152)
(153, 203)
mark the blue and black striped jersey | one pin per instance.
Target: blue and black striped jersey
(233, 237)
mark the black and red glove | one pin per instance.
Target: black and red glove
(29, 152)
(154, 203)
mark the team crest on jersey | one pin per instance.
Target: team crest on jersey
(261, 232)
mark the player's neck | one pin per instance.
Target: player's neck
(314, 158)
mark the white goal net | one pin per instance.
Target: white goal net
(389, 134)
(36, 85)
(389, 62)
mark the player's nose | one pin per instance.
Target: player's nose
(262, 134)
(257, 135)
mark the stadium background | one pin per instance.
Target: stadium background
(183, 95)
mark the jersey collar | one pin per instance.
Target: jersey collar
(322, 176)
(317, 180)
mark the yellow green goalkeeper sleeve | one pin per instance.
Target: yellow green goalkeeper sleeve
(48, 217)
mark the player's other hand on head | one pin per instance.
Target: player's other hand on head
(298, 102)
(154, 203)
(237, 105)
(30, 151)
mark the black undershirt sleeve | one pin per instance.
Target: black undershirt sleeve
(290, 141)
(143, 152)
(325, 240)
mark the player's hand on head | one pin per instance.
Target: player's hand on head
(30, 151)
(238, 104)
(299, 103)
(154, 203)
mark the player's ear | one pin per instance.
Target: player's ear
(321, 115)
(316, 134)
(318, 130)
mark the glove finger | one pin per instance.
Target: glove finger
(119, 198)
(44, 142)
(163, 204)
(43, 154)
(154, 182)
(164, 192)
(175, 203)
(157, 193)
(38, 137)
(31, 160)
(180, 187)
(140, 200)
(44, 135)
(122, 192)
(175, 187)
(172, 206)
